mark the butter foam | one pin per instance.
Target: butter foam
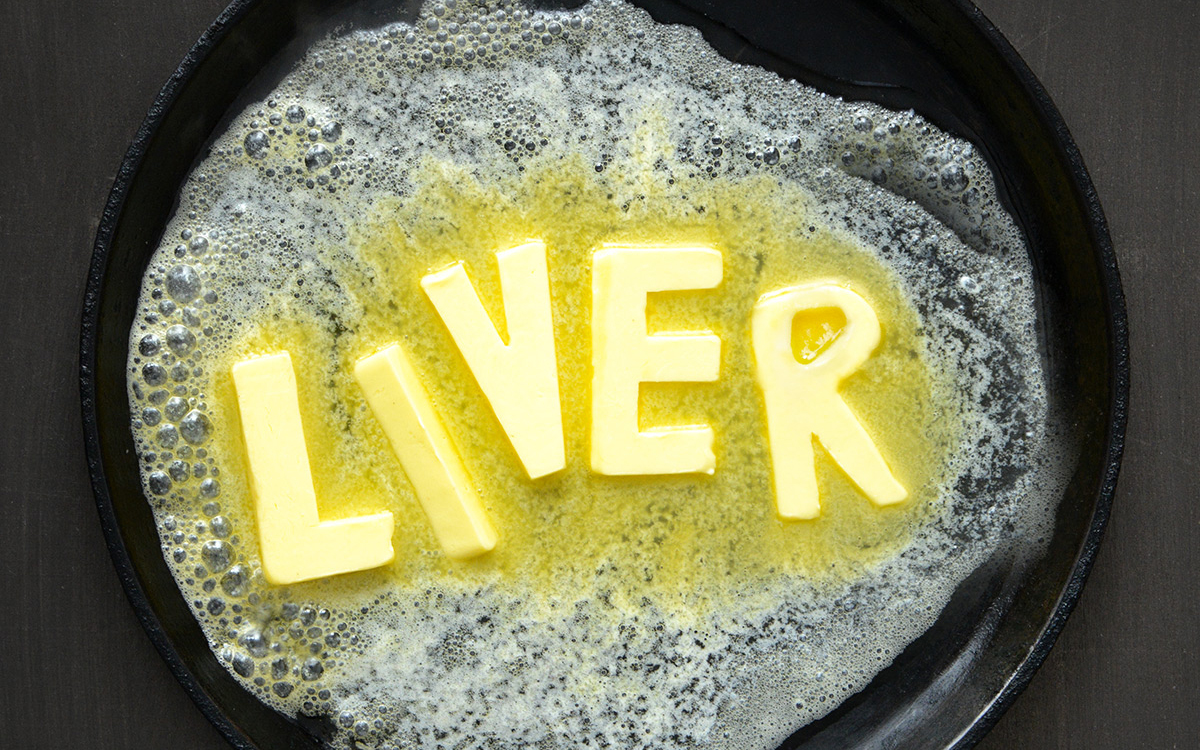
(640, 613)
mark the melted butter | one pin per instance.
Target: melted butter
(318, 247)
(706, 536)
(813, 331)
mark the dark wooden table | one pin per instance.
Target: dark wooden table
(77, 671)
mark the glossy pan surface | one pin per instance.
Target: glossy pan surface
(939, 57)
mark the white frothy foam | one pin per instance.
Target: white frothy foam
(492, 89)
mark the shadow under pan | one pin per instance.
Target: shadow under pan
(938, 57)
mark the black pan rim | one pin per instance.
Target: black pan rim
(1119, 372)
(109, 220)
(1047, 116)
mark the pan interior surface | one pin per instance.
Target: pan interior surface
(938, 60)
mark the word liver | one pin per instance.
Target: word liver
(518, 376)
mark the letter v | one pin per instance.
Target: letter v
(519, 377)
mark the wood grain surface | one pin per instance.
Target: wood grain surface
(76, 669)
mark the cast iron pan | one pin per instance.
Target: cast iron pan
(939, 57)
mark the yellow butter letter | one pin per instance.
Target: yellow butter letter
(426, 453)
(624, 357)
(802, 398)
(520, 377)
(294, 543)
